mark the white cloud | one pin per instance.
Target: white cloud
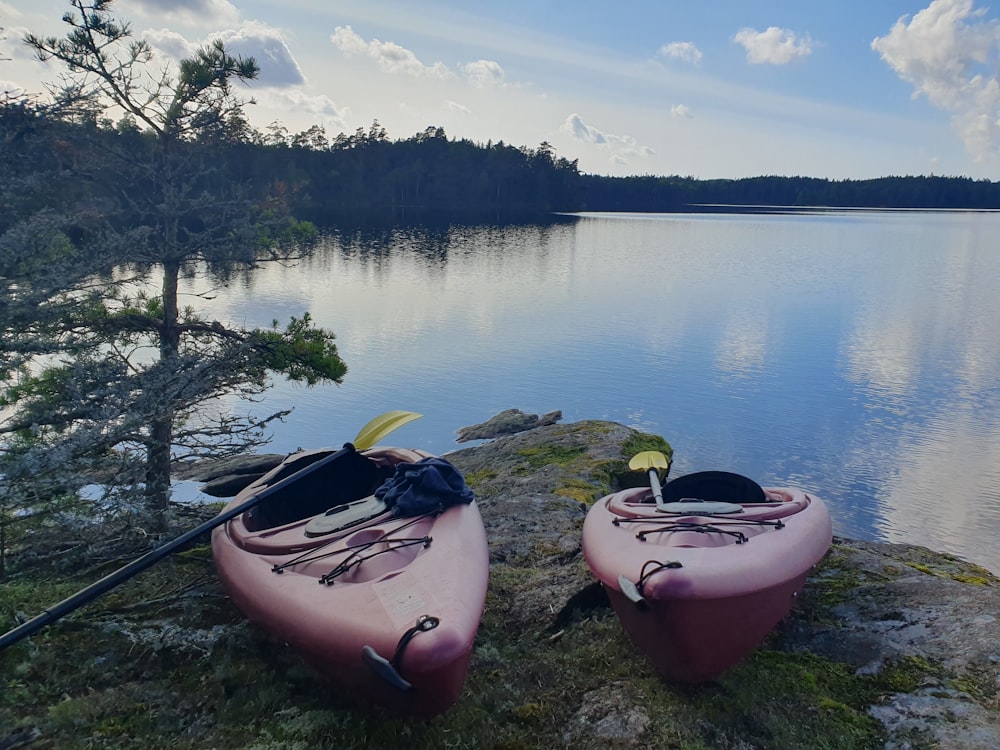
(266, 45)
(483, 73)
(775, 46)
(683, 51)
(456, 107)
(389, 56)
(622, 147)
(192, 11)
(681, 110)
(580, 131)
(8, 12)
(263, 43)
(348, 42)
(320, 107)
(948, 52)
(169, 43)
(13, 46)
(10, 89)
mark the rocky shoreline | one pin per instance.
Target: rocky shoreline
(891, 646)
(893, 602)
(873, 604)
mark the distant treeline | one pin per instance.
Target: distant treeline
(647, 194)
(366, 176)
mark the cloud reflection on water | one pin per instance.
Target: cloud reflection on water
(851, 354)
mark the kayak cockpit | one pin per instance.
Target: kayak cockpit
(347, 478)
(695, 522)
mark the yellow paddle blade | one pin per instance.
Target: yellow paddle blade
(648, 460)
(381, 426)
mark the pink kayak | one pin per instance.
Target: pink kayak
(384, 604)
(699, 583)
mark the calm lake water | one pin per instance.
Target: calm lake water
(854, 354)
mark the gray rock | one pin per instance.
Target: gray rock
(611, 717)
(205, 471)
(949, 719)
(927, 622)
(506, 422)
(892, 601)
(229, 485)
(225, 477)
(897, 601)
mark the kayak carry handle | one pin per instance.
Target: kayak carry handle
(630, 590)
(384, 669)
(389, 670)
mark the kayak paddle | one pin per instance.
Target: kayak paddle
(370, 434)
(651, 461)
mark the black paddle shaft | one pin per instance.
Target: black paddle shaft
(135, 567)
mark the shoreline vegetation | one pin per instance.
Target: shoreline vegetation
(352, 180)
(890, 645)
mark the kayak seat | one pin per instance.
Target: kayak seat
(350, 477)
(714, 486)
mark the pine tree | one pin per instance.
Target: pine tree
(107, 376)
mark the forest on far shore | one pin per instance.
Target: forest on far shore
(366, 176)
(687, 193)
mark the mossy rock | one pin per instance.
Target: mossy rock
(889, 646)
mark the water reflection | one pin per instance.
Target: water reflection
(851, 354)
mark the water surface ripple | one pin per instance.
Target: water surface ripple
(852, 354)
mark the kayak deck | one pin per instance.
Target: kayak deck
(696, 592)
(380, 608)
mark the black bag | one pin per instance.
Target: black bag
(427, 486)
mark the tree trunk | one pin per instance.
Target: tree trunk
(162, 426)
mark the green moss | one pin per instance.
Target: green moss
(529, 711)
(975, 580)
(778, 699)
(504, 578)
(577, 489)
(475, 478)
(26, 596)
(829, 586)
(94, 680)
(972, 574)
(833, 582)
(617, 475)
(602, 477)
(907, 674)
(980, 684)
(545, 548)
(559, 455)
(641, 441)
(200, 553)
(84, 686)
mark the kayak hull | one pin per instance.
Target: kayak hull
(413, 602)
(710, 588)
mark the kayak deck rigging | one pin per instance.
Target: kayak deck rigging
(388, 538)
(668, 525)
(355, 558)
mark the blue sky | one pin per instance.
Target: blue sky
(721, 88)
